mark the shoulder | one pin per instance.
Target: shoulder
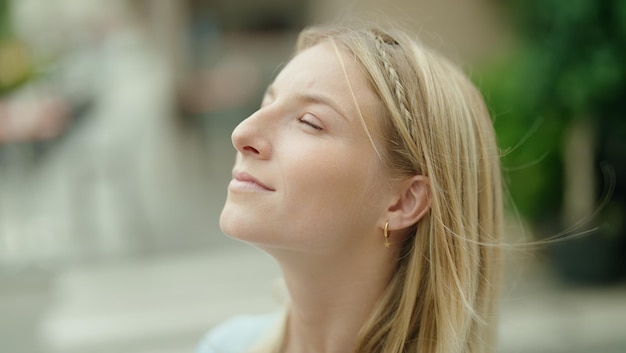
(237, 334)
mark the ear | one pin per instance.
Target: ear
(410, 202)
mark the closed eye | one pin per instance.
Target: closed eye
(311, 121)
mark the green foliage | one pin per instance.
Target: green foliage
(529, 141)
(570, 64)
(5, 23)
(16, 64)
(577, 51)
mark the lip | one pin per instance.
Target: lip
(245, 182)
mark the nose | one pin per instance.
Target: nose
(250, 137)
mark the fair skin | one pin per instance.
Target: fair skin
(309, 189)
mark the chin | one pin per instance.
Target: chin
(239, 227)
(228, 223)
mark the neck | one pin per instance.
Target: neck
(332, 297)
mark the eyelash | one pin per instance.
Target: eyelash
(310, 124)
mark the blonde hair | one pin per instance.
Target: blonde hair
(443, 295)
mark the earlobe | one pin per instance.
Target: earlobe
(411, 203)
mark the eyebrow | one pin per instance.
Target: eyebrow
(314, 98)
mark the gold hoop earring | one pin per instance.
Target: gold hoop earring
(386, 233)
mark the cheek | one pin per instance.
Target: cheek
(331, 185)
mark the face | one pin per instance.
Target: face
(307, 178)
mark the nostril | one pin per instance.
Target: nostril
(251, 149)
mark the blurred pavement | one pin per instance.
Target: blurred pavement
(164, 304)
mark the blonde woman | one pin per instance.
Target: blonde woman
(371, 174)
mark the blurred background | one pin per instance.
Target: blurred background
(115, 153)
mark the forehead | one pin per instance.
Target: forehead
(331, 71)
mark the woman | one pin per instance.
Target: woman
(371, 174)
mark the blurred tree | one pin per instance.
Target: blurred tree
(567, 78)
(4, 18)
(15, 61)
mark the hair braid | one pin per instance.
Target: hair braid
(398, 88)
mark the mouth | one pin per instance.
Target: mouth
(245, 181)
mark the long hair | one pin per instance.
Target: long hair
(443, 295)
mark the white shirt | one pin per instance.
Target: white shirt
(237, 334)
